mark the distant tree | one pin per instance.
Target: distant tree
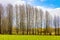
(35, 10)
(17, 20)
(22, 18)
(55, 24)
(32, 20)
(36, 21)
(58, 23)
(41, 17)
(10, 17)
(4, 25)
(28, 10)
(1, 12)
(47, 20)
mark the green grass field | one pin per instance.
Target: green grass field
(28, 37)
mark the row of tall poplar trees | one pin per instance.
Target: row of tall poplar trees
(28, 19)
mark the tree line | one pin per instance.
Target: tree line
(28, 20)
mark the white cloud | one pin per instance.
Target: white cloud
(30, 1)
(16, 1)
(19, 2)
(12, 1)
(7, 1)
(55, 11)
(52, 11)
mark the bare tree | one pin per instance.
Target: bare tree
(32, 20)
(22, 18)
(47, 21)
(36, 25)
(10, 17)
(28, 17)
(41, 17)
(56, 24)
(17, 20)
(4, 25)
(1, 13)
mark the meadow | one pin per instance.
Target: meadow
(29, 37)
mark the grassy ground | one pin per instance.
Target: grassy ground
(28, 37)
